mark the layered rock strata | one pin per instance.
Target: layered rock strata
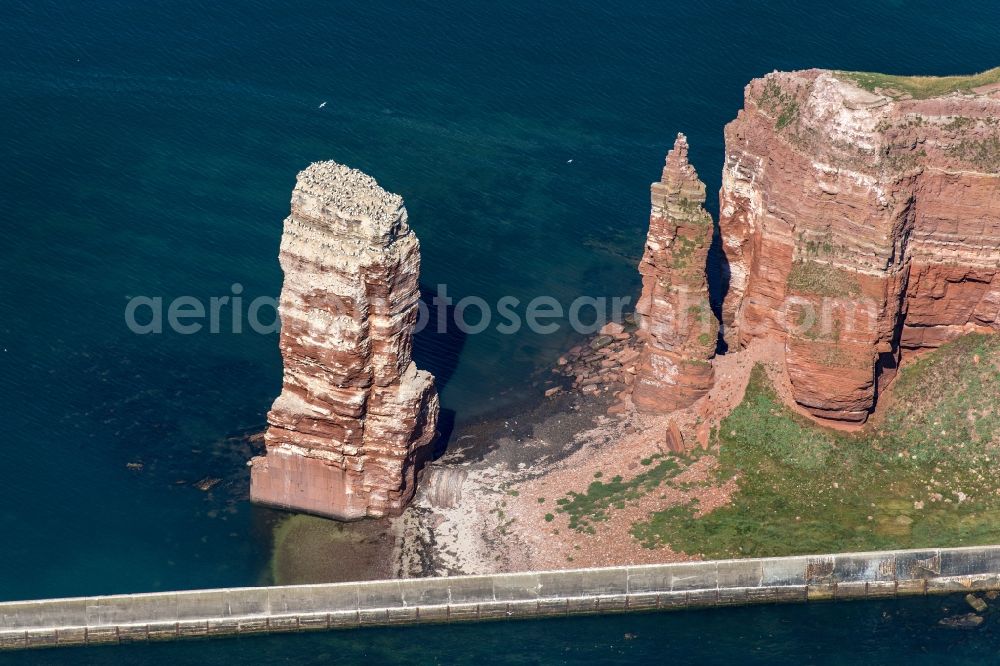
(355, 419)
(676, 326)
(860, 215)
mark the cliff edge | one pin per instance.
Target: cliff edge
(860, 216)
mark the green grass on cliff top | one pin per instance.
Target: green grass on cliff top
(807, 489)
(921, 87)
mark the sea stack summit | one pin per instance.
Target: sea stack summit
(355, 419)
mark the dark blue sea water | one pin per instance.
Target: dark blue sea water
(149, 148)
(828, 634)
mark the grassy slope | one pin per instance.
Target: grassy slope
(601, 497)
(807, 489)
(921, 87)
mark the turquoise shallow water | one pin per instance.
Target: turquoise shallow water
(150, 149)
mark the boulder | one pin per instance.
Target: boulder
(975, 603)
(674, 438)
(967, 621)
(613, 329)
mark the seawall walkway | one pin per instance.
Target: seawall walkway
(255, 610)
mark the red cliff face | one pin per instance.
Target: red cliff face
(859, 219)
(676, 324)
(355, 418)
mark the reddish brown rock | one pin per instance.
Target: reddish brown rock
(617, 409)
(614, 329)
(857, 221)
(703, 434)
(355, 419)
(628, 355)
(676, 326)
(675, 439)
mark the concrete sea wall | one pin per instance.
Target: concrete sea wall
(255, 610)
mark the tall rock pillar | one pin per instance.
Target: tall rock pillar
(355, 419)
(676, 324)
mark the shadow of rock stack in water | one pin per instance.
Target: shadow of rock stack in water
(437, 348)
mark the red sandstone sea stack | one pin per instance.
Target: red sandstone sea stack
(355, 419)
(676, 324)
(859, 219)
